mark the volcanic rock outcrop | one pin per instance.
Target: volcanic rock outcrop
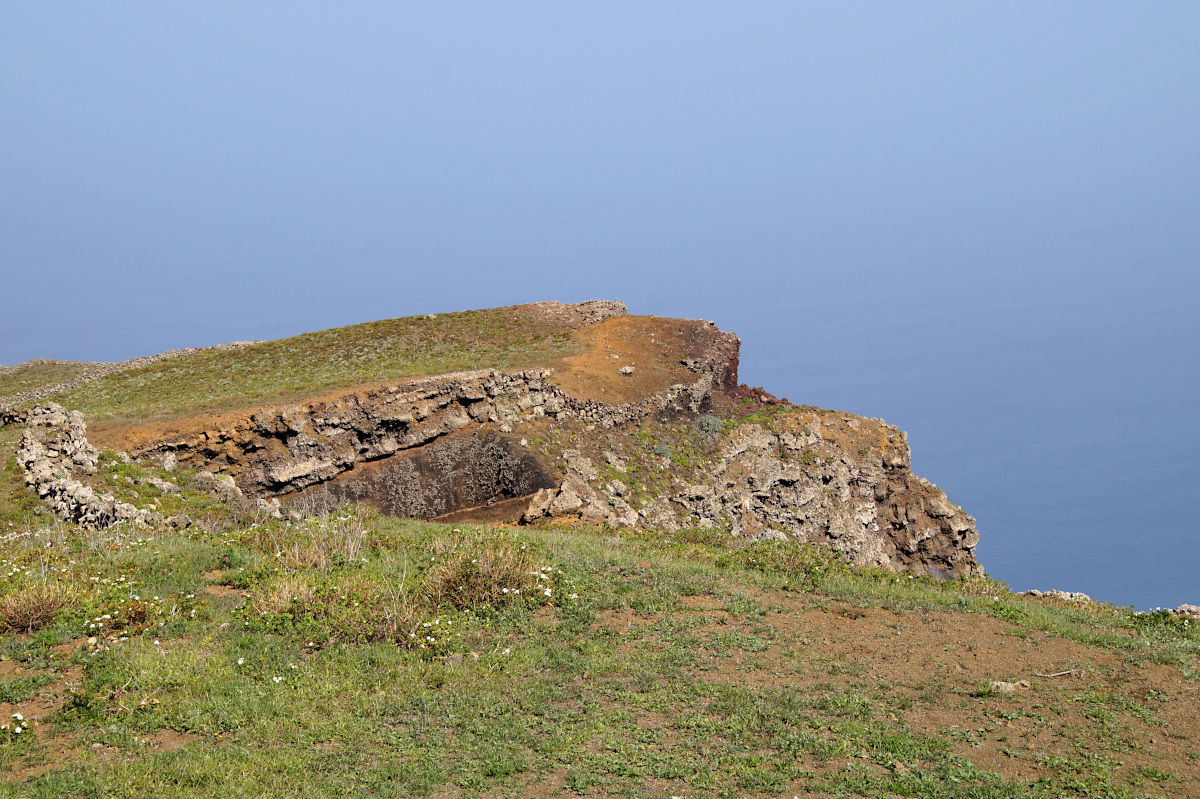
(550, 446)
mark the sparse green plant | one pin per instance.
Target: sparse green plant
(807, 564)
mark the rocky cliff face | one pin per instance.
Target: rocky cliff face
(459, 445)
(802, 475)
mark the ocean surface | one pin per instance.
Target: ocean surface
(1051, 388)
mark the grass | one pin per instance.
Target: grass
(304, 365)
(347, 653)
(353, 653)
(36, 375)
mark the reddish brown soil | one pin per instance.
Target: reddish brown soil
(942, 663)
(656, 348)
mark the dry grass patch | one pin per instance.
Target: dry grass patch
(471, 570)
(318, 543)
(34, 605)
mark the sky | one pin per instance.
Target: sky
(976, 220)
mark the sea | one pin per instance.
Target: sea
(1049, 384)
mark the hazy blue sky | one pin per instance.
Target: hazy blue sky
(977, 220)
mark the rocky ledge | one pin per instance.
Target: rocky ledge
(455, 446)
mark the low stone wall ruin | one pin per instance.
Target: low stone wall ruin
(51, 460)
(97, 371)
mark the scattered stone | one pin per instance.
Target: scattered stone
(579, 465)
(539, 506)
(165, 486)
(564, 503)
(1066, 596)
(626, 370)
(168, 462)
(1002, 687)
(771, 535)
(226, 487)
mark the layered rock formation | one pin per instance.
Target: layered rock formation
(453, 444)
(825, 478)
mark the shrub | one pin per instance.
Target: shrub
(710, 425)
(480, 570)
(806, 562)
(33, 606)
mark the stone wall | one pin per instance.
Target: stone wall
(52, 458)
(97, 371)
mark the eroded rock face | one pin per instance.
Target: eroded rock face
(832, 479)
(838, 480)
(455, 473)
(436, 447)
(282, 450)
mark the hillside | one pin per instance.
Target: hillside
(546, 550)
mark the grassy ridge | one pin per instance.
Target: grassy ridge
(308, 364)
(351, 654)
(40, 374)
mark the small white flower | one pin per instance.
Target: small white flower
(277, 679)
(18, 717)
(546, 592)
(156, 642)
(241, 661)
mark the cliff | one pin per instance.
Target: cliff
(626, 421)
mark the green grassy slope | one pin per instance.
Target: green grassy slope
(352, 654)
(35, 375)
(308, 364)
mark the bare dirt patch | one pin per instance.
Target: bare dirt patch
(932, 673)
(656, 348)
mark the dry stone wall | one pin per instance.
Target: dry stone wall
(52, 458)
(98, 371)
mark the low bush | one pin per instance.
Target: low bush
(34, 605)
(807, 563)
